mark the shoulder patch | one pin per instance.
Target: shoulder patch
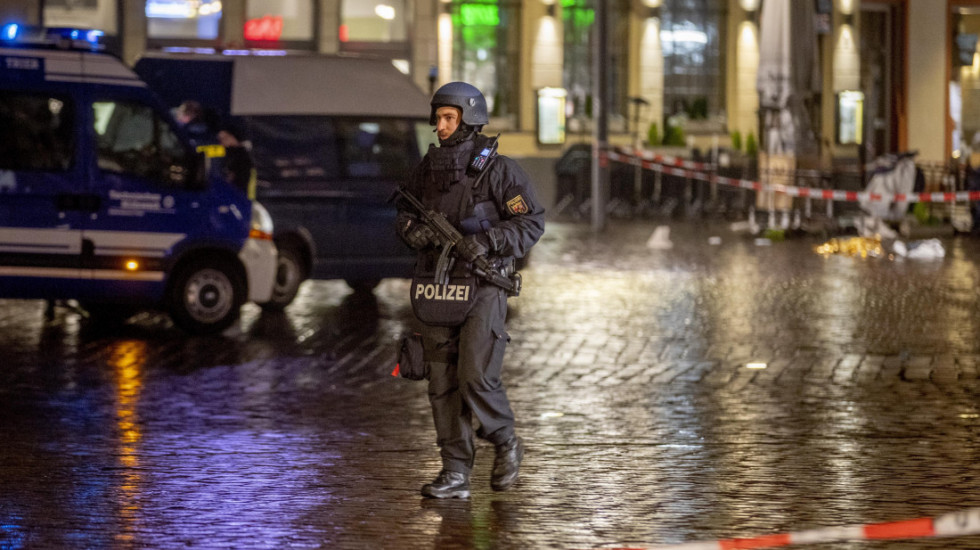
(517, 205)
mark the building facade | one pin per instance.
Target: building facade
(893, 74)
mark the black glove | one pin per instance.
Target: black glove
(419, 235)
(473, 246)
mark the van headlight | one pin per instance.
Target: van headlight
(261, 223)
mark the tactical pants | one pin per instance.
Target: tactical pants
(470, 386)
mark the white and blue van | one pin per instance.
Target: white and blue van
(331, 136)
(105, 200)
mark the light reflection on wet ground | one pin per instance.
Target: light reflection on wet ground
(626, 371)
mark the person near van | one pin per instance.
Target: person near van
(239, 168)
(190, 115)
(493, 204)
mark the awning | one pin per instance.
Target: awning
(321, 85)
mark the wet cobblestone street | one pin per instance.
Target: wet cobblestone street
(626, 370)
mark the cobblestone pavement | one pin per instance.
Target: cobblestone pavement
(627, 371)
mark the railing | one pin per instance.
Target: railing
(646, 185)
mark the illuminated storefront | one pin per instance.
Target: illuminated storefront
(183, 19)
(279, 23)
(697, 58)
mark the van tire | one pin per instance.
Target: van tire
(206, 297)
(289, 276)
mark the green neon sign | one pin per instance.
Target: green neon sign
(479, 14)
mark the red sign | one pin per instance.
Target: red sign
(267, 27)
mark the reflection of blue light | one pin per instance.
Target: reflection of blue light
(10, 31)
(12, 533)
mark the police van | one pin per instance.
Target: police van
(331, 137)
(105, 200)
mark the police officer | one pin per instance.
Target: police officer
(492, 203)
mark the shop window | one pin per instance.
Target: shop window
(486, 38)
(183, 19)
(279, 21)
(87, 14)
(381, 21)
(694, 57)
(36, 132)
(964, 85)
(578, 19)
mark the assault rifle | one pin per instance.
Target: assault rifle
(449, 238)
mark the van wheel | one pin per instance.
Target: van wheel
(205, 297)
(289, 275)
(363, 285)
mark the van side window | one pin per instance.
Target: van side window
(295, 149)
(133, 140)
(377, 148)
(36, 132)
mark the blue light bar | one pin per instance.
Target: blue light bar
(76, 38)
(9, 31)
(16, 34)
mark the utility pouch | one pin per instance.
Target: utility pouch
(444, 305)
(411, 362)
(444, 302)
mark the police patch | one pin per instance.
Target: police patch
(517, 205)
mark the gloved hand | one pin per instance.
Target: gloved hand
(473, 246)
(418, 235)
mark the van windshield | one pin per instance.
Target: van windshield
(133, 140)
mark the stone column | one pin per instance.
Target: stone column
(646, 65)
(928, 87)
(542, 44)
(233, 19)
(742, 103)
(133, 32)
(424, 37)
(328, 30)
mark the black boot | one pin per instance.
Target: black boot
(506, 463)
(448, 485)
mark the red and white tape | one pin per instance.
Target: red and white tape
(700, 171)
(959, 523)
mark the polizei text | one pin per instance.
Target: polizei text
(449, 293)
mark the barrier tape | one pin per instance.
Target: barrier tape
(701, 171)
(953, 524)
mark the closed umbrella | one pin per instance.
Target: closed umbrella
(788, 75)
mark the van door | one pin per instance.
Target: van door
(147, 203)
(43, 193)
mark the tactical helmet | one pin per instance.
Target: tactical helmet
(466, 98)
